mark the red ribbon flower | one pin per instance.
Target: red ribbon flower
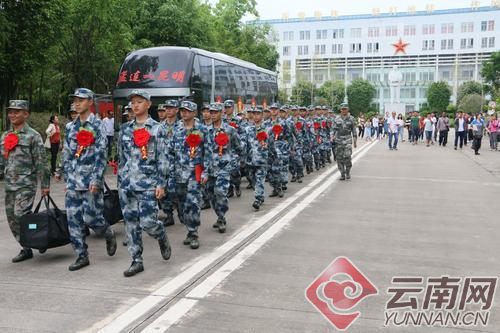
(85, 138)
(141, 140)
(10, 142)
(262, 137)
(298, 125)
(221, 139)
(316, 125)
(323, 124)
(277, 129)
(114, 165)
(193, 140)
(233, 124)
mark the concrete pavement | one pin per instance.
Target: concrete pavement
(417, 211)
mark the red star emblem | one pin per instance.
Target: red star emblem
(400, 46)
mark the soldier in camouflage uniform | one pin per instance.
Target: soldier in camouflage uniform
(218, 159)
(258, 155)
(344, 134)
(297, 164)
(307, 139)
(234, 121)
(169, 122)
(84, 167)
(207, 122)
(142, 178)
(187, 169)
(22, 159)
(325, 147)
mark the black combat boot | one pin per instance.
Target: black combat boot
(111, 244)
(221, 225)
(275, 193)
(230, 192)
(342, 171)
(256, 204)
(294, 179)
(237, 190)
(79, 263)
(347, 173)
(205, 205)
(165, 249)
(194, 244)
(135, 268)
(23, 255)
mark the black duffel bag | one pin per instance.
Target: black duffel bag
(44, 230)
(112, 209)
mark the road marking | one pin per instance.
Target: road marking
(171, 286)
(179, 309)
(431, 180)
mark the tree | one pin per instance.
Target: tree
(471, 104)
(360, 94)
(467, 88)
(333, 92)
(302, 93)
(491, 70)
(282, 96)
(438, 96)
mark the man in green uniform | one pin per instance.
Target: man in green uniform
(22, 160)
(344, 134)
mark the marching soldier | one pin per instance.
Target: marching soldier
(306, 140)
(258, 155)
(84, 163)
(142, 177)
(344, 134)
(207, 122)
(296, 160)
(186, 162)
(22, 160)
(222, 143)
(234, 121)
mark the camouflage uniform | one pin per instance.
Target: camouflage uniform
(138, 179)
(297, 164)
(279, 166)
(235, 122)
(182, 172)
(167, 202)
(83, 207)
(21, 167)
(259, 155)
(344, 131)
(219, 167)
(325, 146)
(307, 146)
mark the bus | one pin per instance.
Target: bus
(194, 74)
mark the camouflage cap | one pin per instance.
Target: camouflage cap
(140, 92)
(83, 93)
(274, 106)
(188, 105)
(161, 107)
(344, 106)
(216, 107)
(229, 103)
(171, 103)
(18, 104)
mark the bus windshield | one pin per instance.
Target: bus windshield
(156, 68)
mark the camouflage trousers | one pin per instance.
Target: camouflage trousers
(85, 208)
(279, 171)
(205, 198)
(140, 213)
(343, 154)
(296, 163)
(167, 203)
(236, 173)
(259, 178)
(217, 187)
(189, 197)
(17, 204)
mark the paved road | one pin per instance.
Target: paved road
(418, 212)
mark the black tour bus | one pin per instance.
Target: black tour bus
(193, 74)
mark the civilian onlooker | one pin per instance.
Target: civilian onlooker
(470, 119)
(401, 127)
(428, 130)
(443, 126)
(408, 125)
(415, 128)
(361, 125)
(53, 141)
(392, 129)
(434, 131)
(109, 125)
(381, 124)
(386, 124)
(477, 132)
(493, 129)
(368, 130)
(460, 129)
(421, 125)
(375, 127)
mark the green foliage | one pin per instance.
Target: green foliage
(302, 92)
(471, 104)
(491, 70)
(438, 96)
(360, 94)
(282, 96)
(467, 88)
(332, 92)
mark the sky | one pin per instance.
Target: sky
(274, 9)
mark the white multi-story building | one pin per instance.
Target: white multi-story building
(427, 46)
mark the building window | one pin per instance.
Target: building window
(450, 44)
(355, 48)
(466, 43)
(373, 32)
(445, 75)
(428, 45)
(338, 33)
(336, 48)
(467, 27)
(484, 42)
(443, 44)
(427, 76)
(491, 42)
(428, 29)
(305, 35)
(391, 31)
(487, 25)
(409, 30)
(321, 34)
(319, 49)
(447, 44)
(467, 74)
(288, 35)
(356, 33)
(447, 28)
(372, 47)
(286, 50)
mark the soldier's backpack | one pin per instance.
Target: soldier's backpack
(44, 230)
(112, 210)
